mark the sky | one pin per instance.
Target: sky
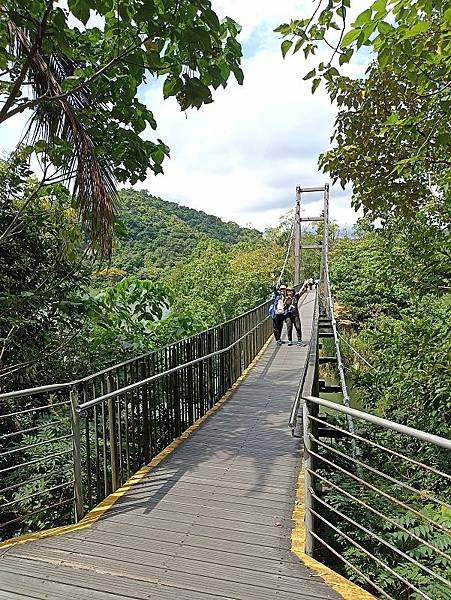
(242, 156)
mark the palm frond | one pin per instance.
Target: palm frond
(92, 181)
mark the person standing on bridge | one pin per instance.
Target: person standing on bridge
(292, 316)
(277, 312)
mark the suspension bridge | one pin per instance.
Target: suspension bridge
(201, 470)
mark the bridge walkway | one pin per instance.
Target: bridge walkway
(213, 520)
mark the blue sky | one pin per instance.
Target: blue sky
(241, 157)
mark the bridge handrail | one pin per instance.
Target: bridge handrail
(104, 441)
(54, 387)
(424, 436)
(410, 516)
(129, 388)
(310, 351)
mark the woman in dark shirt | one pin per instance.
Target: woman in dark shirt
(292, 316)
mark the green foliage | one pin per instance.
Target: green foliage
(383, 270)
(82, 81)
(392, 131)
(363, 281)
(410, 381)
(393, 282)
(40, 304)
(126, 319)
(217, 283)
(158, 234)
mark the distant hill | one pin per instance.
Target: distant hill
(158, 234)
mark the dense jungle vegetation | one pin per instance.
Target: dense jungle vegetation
(391, 141)
(89, 277)
(64, 315)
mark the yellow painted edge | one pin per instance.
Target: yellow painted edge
(347, 589)
(99, 510)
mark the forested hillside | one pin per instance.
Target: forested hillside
(156, 233)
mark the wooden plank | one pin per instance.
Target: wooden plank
(44, 583)
(142, 563)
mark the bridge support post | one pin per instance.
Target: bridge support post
(112, 427)
(309, 520)
(297, 238)
(76, 453)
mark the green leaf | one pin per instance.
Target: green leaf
(315, 84)
(171, 86)
(239, 75)
(286, 45)
(80, 10)
(417, 29)
(382, 58)
(211, 19)
(384, 27)
(379, 5)
(350, 37)
(363, 18)
(309, 75)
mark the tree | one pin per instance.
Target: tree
(79, 69)
(41, 308)
(392, 131)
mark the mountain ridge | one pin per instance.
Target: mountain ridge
(156, 234)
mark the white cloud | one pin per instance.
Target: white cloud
(242, 156)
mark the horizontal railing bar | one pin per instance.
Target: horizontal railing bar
(313, 189)
(393, 548)
(384, 448)
(132, 386)
(36, 494)
(365, 551)
(43, 443)
(29, 430)
(16, 485)
(61, 386)
(385, 423)
(36, 512)
(37, 409)
(380, 492)
(393, 480)
(37, 460)
(379, 514)
(54, 387)
(349, 564)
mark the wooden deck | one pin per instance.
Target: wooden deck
(212, 521)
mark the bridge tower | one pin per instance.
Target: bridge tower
(299, 247)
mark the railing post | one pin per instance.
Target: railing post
(308, 480)
(190, 384)
(112, 438)
(76, 453)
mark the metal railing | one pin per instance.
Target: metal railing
(376, 493)
(384, 515)
(65, 447)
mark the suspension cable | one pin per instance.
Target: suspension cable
(355, 351)
(290, 243)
